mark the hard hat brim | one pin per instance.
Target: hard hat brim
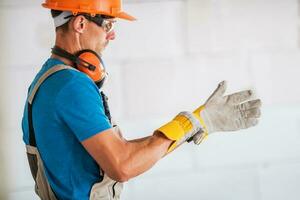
(124, 15)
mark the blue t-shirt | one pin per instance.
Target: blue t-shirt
(67, 110)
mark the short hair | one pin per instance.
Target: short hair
(64, 27)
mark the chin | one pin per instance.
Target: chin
(101, 49)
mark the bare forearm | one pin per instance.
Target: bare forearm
(121, 159)
(143, 153)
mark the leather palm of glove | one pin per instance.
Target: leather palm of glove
(227, 113)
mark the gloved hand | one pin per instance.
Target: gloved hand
(227, 113)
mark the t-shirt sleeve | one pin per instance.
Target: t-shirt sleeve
(80, 106)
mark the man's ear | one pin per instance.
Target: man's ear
(79, 24)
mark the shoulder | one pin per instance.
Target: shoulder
(76, 85)
(75, 79)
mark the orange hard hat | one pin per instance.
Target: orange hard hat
(111, 8)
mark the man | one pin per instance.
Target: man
(73, 149)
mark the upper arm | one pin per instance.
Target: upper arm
(108, 149)
(79, 105)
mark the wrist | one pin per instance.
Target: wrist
(161, 140)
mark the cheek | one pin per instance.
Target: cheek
(101, 36)
(98, 40)
(98, 35)
(101, 41)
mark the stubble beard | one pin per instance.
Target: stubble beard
(102, 47)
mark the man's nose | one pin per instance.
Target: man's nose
(111, 35)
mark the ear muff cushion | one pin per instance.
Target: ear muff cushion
(89, 57)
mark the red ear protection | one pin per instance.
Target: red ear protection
(86, 61)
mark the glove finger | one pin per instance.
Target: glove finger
(252, 113)
(239, 97)
(219, 92)
(251, 122)
(250, 104)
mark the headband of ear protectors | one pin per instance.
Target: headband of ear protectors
(86, 61)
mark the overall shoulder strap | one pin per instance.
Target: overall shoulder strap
(52, 70)
(105, 105)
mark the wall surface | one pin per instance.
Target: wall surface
(170, 60)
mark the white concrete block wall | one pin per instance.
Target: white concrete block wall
(156, 33)
(281, 69)
(171, 59)
(237, 25)
(280, 182)
(30, 37)
(163, 87)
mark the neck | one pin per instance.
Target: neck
(70, 44)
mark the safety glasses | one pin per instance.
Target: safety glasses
(108, 25)
(106, 22)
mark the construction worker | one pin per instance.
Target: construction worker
(74, 150)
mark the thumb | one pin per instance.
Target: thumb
(219, 92)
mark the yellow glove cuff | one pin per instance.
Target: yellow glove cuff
(181, 128)
(176, 129)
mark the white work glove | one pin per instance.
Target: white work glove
(228, 113)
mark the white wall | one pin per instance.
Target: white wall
(170, 60)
